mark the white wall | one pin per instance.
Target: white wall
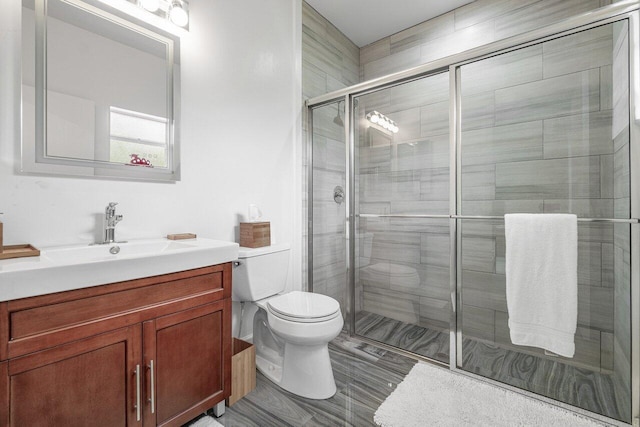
(240, 139)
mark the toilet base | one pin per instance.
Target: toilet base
(307, 371)
(300, 366)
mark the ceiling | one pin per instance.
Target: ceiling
(366, 21)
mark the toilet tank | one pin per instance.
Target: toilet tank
(262, 272)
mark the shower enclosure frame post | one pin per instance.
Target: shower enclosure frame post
(351, 226)
(455, 129)
(634, 158)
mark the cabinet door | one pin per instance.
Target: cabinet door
(91, 382)
(190, 352)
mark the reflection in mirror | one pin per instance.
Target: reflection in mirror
(98, 92)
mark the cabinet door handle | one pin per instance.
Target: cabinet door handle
(137, 392)
(152, 395)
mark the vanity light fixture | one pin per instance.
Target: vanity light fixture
(178, 13)
(150, 5)
(383, 121)
(161, 12)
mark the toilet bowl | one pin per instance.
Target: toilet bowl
(291, 331)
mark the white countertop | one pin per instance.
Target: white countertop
(64, 268)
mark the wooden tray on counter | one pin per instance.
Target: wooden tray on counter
(18, 251)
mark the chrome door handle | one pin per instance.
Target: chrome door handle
(137, 373)
(152, 395)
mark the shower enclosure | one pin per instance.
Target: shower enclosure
(411, 175)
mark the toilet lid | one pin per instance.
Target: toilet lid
(304, 307)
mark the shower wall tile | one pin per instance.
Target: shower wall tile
(595, 307)
(397, 247)
(479, 254)
(315, 81)
(390, 186)
(435, 313)
(608, 265)
(484, 10)
(484, 290)
(539, 14)
(595, 232)
(621, 140)
(459, 41)
(375, 50)
(324, 182)
(418, 93)
(407, 225)
(372, 159)
(516, 68)
(585, 208)
(622, 207)
(501, 207)
(329, 251)
(511, 143)
(575, 93)
(577, 52)
(434, 119)
(390, 64)
(479, 182)
(435, 249)
(606, 176)
(434, 184)
(577, 177)
(621, 177)
(478, 111)
(478, 323)
(319, 53)
(606, 88)
(328, 154)
(482, 228)
(432, 152)
(440, 26)
(329, 218)
(606, 351)
(578, 135)
(408, 122)
(590, 264)
(620, 86)
(422, 207)
(434, 282)
(395, 305)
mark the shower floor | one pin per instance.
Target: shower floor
(579, 387)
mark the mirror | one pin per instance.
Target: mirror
(99, 93)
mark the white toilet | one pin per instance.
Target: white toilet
(291, 331)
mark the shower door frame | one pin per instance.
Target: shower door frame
(625, 10)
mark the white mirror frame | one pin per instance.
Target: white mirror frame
(34, 158)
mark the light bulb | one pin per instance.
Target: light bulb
(374, 118)
(178, 15)
(395, 129)
(150, 5)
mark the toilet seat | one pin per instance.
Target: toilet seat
(304, 307)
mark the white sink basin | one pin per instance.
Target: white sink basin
(72, 267)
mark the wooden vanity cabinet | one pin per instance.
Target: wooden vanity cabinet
(160, 358)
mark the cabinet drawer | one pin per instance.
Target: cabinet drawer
(56, 316)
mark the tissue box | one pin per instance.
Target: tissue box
(255, 234)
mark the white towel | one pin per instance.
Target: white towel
(542, 280)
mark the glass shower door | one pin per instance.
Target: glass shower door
(328, 245)
(402, 270)
(545, 129)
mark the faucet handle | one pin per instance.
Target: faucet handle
(111, 208)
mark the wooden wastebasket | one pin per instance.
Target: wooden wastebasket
(243, 370)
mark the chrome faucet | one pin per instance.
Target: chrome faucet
(110, 221)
